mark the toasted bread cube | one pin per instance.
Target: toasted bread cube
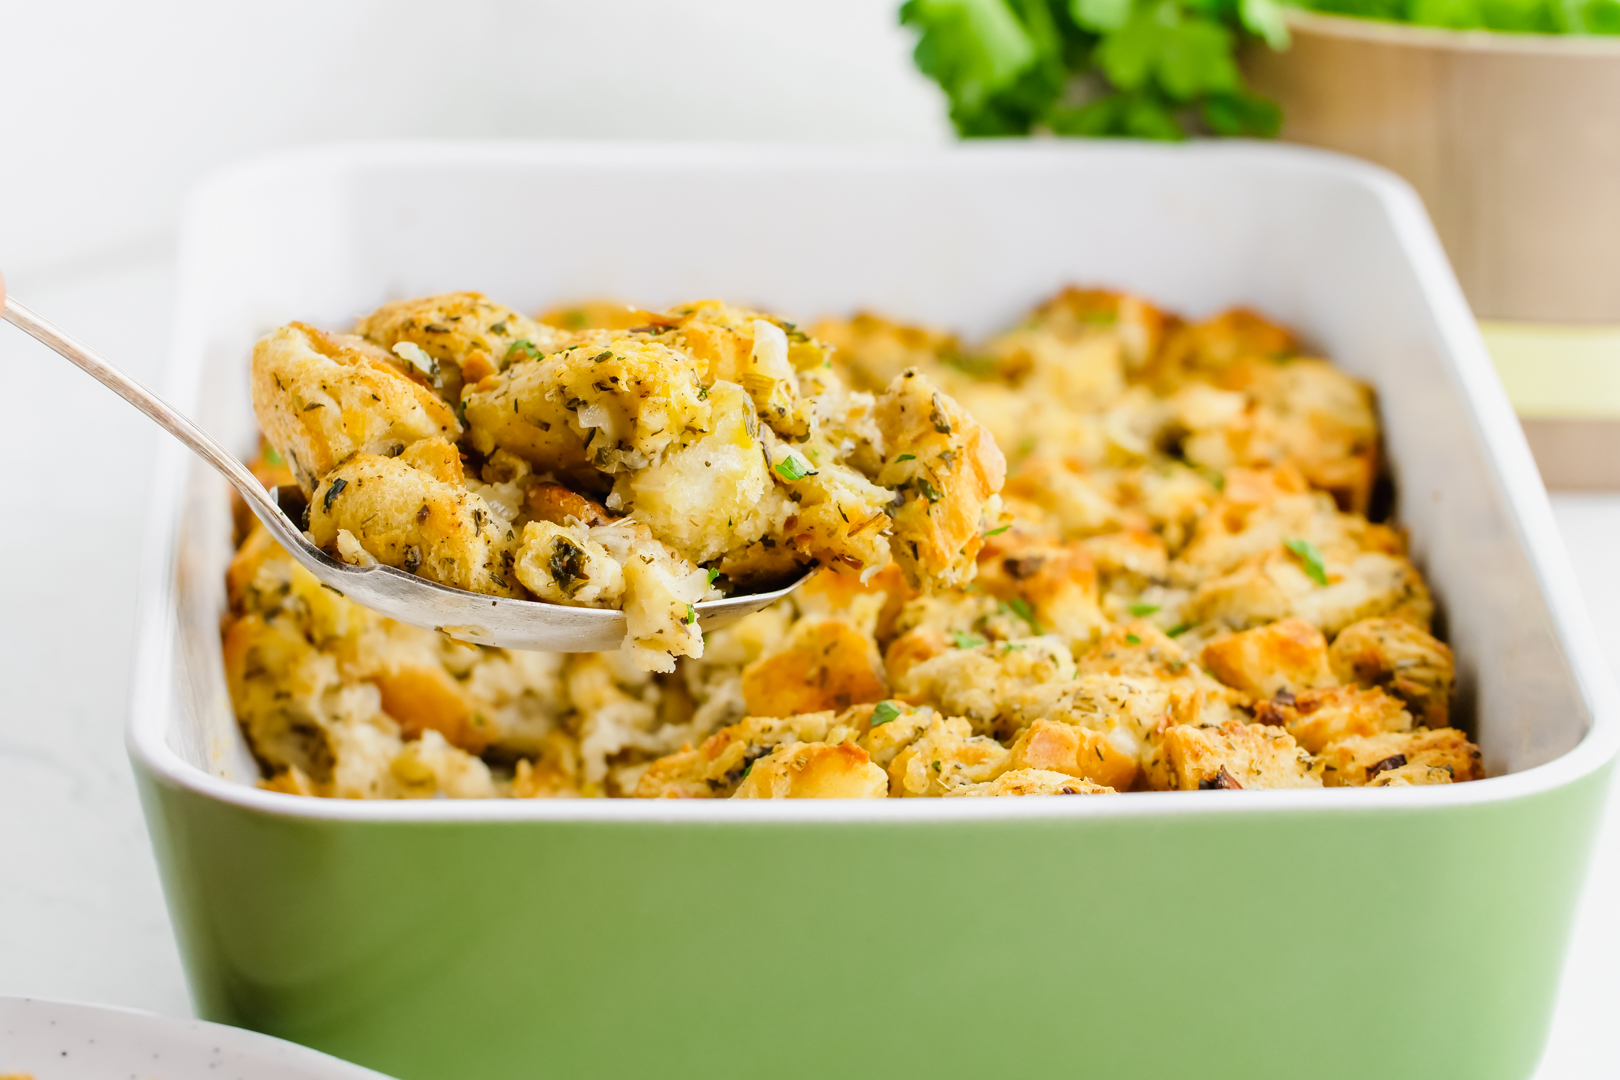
(714, 769)
(823, 665)
(951, 470)
(1056, 583)
(1233, 756)
(1361, 759)
(945, 757)
(814, 771)
(1316, 718)
(1031, 782)
(414, 513)
(1075, 751)
(1402, 658)
(323, 398)
(468, 335)
(1290, 655)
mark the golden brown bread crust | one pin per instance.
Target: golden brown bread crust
(1285, 656)
(413, 512)
(948, 467)
(323, 398)
(1232, 756)
(467, 334)
(1402, 658)
(1361, 760)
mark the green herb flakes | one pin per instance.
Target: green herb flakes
(691, 615)
(966, 641)
(998, 532)
(905, 457)
(1141, 610)
(884, 713)
(1310, 558)
(793, 467)
(1178, 630)
(1132, 639)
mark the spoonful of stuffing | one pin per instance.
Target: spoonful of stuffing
(569, 485)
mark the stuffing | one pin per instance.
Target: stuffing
(723, 436)
(1234, 756)
(874, 350)
(1104, 551)
(1361, 760)
(456, 339)
(823, 665)
(948, 469)
(1052, 746)
(1316, 718)
(1285, 656)
(946, 756)
(414, 512)
(1403, 659)
(814, 771)
(1032, 782)
(323, 398)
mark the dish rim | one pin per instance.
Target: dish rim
(153, 691)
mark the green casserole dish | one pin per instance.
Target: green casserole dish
(1408, 932)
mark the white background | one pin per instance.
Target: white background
(109, 110)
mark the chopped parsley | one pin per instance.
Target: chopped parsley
(1132, 639)
(998, 532)
(273, 459)
(905, 457)
(691, 614)
(885, 712)
(966, 641)
(793, 467)
(1310, 558)
(713, 573)
(1020, 607)
(1179, 629)
(1012, 647)
(524, 346)
(1140, 610)
(929, 491)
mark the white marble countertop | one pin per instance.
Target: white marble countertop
(81, 912)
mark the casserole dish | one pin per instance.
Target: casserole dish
(1368, 932)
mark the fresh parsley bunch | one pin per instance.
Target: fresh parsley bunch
(1153, 69)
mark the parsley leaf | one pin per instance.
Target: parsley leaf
(998, 532)
(1132, 639)
(793, 467)
(691, 614)
(1139, 610)
(1020, 607)
(1177, 631)
(713, 573)
(885, 712)
(905, 457)
(1153, 69)
(1310, 558)
(966, 641)
(523, 346)
(273, 459)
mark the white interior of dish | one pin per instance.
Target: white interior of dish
(966, 238)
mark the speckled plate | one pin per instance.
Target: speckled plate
(52, 1040)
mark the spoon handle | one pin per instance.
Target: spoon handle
(97, 367)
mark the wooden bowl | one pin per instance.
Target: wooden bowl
(1512, 140)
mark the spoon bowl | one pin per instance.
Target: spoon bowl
(465, 616)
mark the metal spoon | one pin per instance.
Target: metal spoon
(466, 616)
